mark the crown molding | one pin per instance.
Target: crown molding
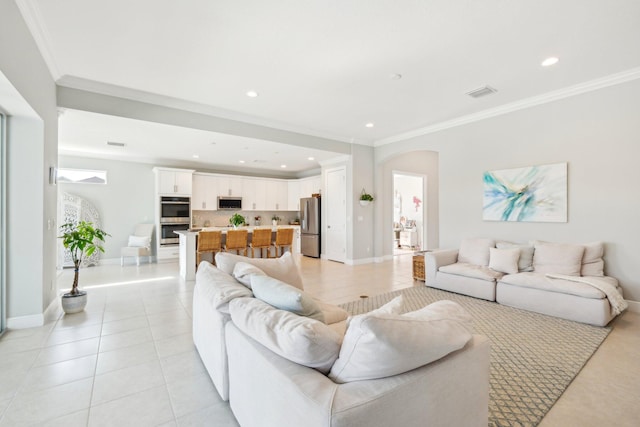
(591, 85)
(33, 18)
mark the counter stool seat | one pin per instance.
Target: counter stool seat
(208, 242)
(237, 241)
(260, 239)
(284, 240)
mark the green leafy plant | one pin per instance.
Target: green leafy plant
(275, 218)
(236, 220)
(82, 240)
(366, 196)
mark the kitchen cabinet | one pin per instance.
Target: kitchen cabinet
(205, 192)
(276, 195)
(174, 182)
(253, 194)
(229, 185)
(293, 195)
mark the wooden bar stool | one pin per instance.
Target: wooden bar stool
(236, 241)
(260, 239)
(284, 239)
(208, 242)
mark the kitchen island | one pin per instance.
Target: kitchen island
(188, 238)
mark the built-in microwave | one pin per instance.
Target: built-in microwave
(229, 203)
(175, 210)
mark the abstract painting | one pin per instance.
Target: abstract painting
(531, 194)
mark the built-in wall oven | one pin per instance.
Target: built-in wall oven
(175, 215)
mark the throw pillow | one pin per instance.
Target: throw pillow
(285, 297)
(283, 268)
(139, 242)
(243, 271)
(217, 286)
(525, 262)
(558, 258)
(592, 262)
(383, 345)
(475, 251)
(299, 339)
(504, 260)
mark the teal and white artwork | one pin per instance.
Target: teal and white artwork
(531, 194)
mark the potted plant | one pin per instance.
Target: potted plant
(274, 220)
(236, 220)
(257, 219)
(365, 198)
(82, 240)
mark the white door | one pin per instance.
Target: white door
(335, 198)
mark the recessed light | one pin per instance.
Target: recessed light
(369, 125)
(195, 156)
(549, 61)
(310, 158)
(283, 166)
(252, 94)
(241, 161)
(395, 76)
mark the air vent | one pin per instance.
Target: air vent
(259, 161)
(481, 91)
(116, 144)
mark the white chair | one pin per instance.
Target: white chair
(139, 244)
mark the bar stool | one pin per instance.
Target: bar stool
(208, 242)
(236, 241)
(260, 239)
(284, 239)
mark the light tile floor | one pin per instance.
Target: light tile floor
(129, 359)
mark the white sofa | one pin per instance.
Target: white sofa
(544, 277)
(278, 368)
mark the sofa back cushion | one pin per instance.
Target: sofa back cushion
(525, 262)
(592, 262)
(285, 297)
(379, 345)
(558, 258)
(283, 268)
(243, 271)
(300, 339)
(218, 286)
(504, 260)
(475, 251)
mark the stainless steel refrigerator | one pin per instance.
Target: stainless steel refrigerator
(310, 226)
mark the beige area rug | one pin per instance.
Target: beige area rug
(533, 357)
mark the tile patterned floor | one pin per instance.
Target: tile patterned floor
(129, 359)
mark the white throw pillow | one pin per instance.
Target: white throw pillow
(475, 251)
(592, 262)
(283, 268)
(139, 242)
(558, 258)
(243, 271)
(299, 339)
(285, 297)
(217, 286)
(383, 345)
(504, 260)
(525, 262)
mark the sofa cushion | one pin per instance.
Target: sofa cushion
(525, 262)
(285, 297)
(592, 262)
(475, 251)
(542, 282)
(504, 260)
(300, 339)
(332, 313)
(243, 271)
(218, 286)
(471, 270)
(382, 345)
(283, 268)
(557, 258)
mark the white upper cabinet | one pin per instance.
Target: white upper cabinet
(277, 199)
(177, 182)
(229, 185)
(253, 196)
(293, 194)
(205, 193)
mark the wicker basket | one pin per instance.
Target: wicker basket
(418, 267)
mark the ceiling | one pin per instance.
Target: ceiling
(329, 67)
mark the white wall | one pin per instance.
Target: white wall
(126, 200)
(597, 133)
(31, 149)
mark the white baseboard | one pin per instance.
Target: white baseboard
(127, 261)
(360, 261)
(22, 322)
(634, 306)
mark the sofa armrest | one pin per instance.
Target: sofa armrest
(436, 259)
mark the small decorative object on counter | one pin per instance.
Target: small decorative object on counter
(274, 220)
(80, 239)
(236, 220)
(365, 198)
(257, 220)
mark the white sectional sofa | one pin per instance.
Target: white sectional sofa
(557, 279)
(278, 367)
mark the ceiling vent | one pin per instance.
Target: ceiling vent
(481, 91)
(116, 144)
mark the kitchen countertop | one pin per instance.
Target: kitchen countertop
(249, 228)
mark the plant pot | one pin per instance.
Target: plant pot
(74, 303)
(274, 222)
(364, 202)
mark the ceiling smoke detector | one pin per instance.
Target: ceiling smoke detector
(482, 91)
(116, 144)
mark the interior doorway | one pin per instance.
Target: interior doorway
(3, 193)
(409, 212)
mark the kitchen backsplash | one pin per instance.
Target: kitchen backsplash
(221, 218)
